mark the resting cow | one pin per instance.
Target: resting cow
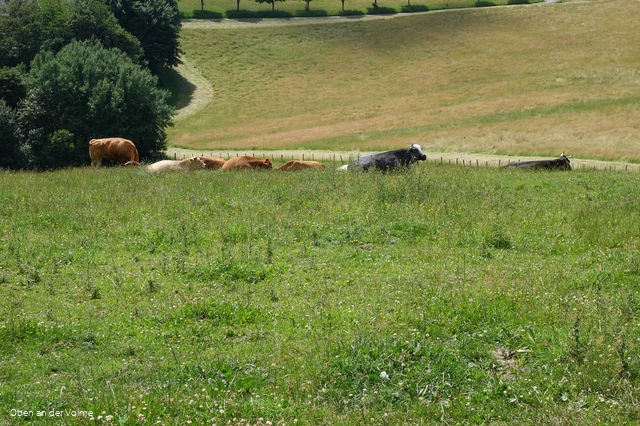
(188, 164)
(114, 149)
(213, 162)
(389, 160)
(561, 163)
(246, 162)
(299, 165)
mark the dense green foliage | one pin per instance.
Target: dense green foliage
(441, 295)
(88, 91)
(156, 23)
(10, 140)
(76, 91)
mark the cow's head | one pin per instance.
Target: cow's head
(416, 153)
(196, 163)
(563, 162)
(266, 164)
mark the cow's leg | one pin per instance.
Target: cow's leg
(96, 163)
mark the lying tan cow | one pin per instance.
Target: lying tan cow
(114, 149)
(185, 165)
(213, 162)
(299, 165)
(246, 162)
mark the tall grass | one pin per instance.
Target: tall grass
(441, 294)
(525, 80)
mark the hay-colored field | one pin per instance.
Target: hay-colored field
(316, 7)
(522, 80)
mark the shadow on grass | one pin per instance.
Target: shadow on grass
(206, 14)
(311, 13)
(181, 90)
(381, 11)
(351, 13)
(260, 14)
(415, 8)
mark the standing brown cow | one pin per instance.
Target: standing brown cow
(114, 149)
(246, 162)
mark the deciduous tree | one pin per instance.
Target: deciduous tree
(86, 91)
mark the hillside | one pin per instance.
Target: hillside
(525, 80)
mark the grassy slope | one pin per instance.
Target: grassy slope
(218, 8)
(536, 80)
(444, 294)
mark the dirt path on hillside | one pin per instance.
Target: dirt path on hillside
(203, 94)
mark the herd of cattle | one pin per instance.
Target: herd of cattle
(124, 152)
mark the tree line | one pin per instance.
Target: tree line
(73, 70)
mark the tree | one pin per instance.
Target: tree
(156, 24)
(28, 28)
(86, 91)
(93, 19)
(11, 156)
(11, 84)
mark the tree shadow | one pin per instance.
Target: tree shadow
(415, 8)
(180, 89)
(381, 10)
(206, 14)
(257, 15)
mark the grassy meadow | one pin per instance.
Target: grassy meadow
(441, 295)
(251, 8)
(518, 80)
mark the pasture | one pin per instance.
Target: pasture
(524, 80)
(441, 295)
(288, 8)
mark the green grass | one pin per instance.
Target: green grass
(523, 80)
(443, 294)
(289, 8)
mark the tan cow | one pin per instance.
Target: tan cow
(213, 162)
(185, 165)
(246, 162)
(114, 149)
(299, 165)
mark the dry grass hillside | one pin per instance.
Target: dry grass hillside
(522, 80)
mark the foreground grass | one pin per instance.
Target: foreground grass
(439, 295)
(526, 80)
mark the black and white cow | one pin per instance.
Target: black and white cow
(561, 163)
(390, 159)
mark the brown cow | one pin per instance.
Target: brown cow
(114, 149)
(213, 162)
(299, 165)
(246, 162)
(185, 165)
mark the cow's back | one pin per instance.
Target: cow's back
(114, 149)
(213, 162)
(298, 165)
(185, 165)
(246, 162)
